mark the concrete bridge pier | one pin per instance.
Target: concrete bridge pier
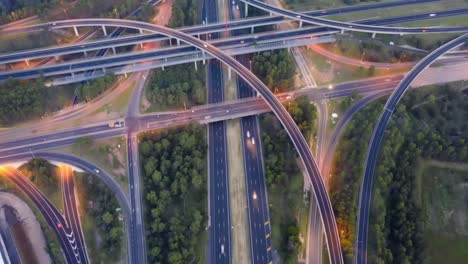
(252, 30)
(300, 23)
(104, 30)
(229, 73)
(76, 31)
(195, 63)
(27, 62)
(115, 52)
(178, 42)
(373, 35)
(85, 54)
(246, 9)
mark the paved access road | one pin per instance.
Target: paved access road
(377, 138)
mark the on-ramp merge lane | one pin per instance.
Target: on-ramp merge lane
(376, 140)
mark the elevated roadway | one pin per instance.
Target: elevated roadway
(377, 138)
(350, 26)
(208, 29)
(293, 131)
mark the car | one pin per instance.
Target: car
(237, 7)
(119, 124)
(59, 225)
(233, 2)
(254, 195)
(391, 43)
(53, 24)
(253, 141)
(242, 42)
(204, 45)
(298, 16)
(248, 134)
(222, 249)
(432, 15)
(97, 171)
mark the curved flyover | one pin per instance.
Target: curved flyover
(87, 166)
(353, 26)
(376, 140)
(326, 210)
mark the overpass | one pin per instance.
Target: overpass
(301, 145)
(350, 26)
(208, 29)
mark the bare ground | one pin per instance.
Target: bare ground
(29, 229)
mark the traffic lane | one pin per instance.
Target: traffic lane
(53, 217)
(137, 226)
(258, 204)
(71, 210)
(152, 121)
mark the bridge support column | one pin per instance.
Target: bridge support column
(203, 56)
(373, 35)
(252, 30)
(342, 31)
(85, 54)
(125, 74)
(104, 70)
(162, 68)
(246, 9)
(141, 31)
(104, 30)
(300, 23)
(113, 50)
(195, 63)
(229, 73)
(27, 62)
(76, 31)
(178, 42)
(73, 75)
(56, 58)
(141, 45)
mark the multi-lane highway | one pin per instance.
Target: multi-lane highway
(377, 138)
(72, 249)
(257, 198)
(218, 172)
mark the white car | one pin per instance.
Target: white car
(222, 249)
(248, 134)
(254, 195)
(253, 141)
(97, 171)
(237, 7)
(432, 15)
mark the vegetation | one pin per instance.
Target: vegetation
(184, 13)
(285, 182)
(21, 100)
(94, 88)
(179, 85)
(42, 174)
(276, 69)
(174, 169)
(105, 239)
(427, 124)
(176, 86)
(11, 10)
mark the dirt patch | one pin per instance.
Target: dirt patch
(237, 191)
(25, 228)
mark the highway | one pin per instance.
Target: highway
(350, 26)
(77, 47)
(121, 195)
(137, 228)
(257, 199)
(293, 131)
(70, 204)
(66, 237)
(218, 172)
(377, 138)
(142, 38)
